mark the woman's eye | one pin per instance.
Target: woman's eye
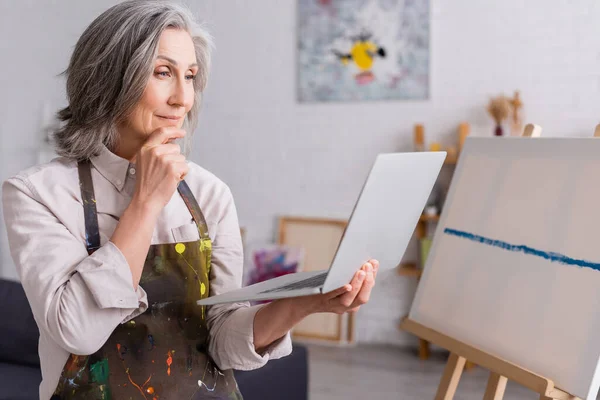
(190, 77)
(164, 74)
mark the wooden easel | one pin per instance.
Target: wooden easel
(500, 370)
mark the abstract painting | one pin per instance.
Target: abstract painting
(361, 50)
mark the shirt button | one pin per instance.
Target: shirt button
(119, 181)
(132, 171)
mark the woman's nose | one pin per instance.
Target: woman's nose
(179, 95)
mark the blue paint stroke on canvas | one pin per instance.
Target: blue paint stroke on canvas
(550, 256)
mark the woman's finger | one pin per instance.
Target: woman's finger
(338, 292)
(348, 298)
(168, 148)
(375, 265)
(163, 135)
(174, 158)
(365, 291)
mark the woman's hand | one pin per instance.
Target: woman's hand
(350, 297)
(160, 167)
(272, 321)
(347, 298)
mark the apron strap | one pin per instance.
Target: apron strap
(190, 201)
(92, 232)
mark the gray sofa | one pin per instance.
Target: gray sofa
(20, 375)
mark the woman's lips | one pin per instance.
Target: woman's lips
(170, 118)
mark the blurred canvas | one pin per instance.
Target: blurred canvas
(274, 261)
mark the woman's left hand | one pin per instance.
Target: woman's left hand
(347, 298)
(278, 317)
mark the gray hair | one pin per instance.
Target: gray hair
(110, 67)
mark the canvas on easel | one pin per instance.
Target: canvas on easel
(319, 238)
(511, 282)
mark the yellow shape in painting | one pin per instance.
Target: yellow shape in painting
(362, 54)
(202, 288)
(205, 245)
(180, 248)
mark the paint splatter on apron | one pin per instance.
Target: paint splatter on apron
(162, 353)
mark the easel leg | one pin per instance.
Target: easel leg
(452, 373)
(495, 387)
(423, 349)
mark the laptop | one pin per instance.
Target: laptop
(382, 223)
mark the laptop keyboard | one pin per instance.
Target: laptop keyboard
(314, 281)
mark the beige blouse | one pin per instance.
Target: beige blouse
(78, 300)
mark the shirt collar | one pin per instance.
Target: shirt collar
(112, 167)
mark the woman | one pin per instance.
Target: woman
(114, 247)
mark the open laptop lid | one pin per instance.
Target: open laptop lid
(386, 213)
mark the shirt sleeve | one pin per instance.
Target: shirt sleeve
(78, 299)
(232, 325)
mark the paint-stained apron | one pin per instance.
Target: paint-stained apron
(162, 353)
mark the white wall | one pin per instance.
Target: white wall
(280, 157)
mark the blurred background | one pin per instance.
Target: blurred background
(303, 94)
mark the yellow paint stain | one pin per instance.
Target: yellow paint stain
(202, 288)
(180, 248)
(205, 245)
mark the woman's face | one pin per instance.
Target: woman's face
(169, 94)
